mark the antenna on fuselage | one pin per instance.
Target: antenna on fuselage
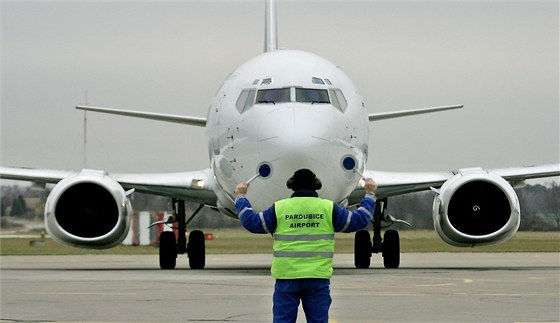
(270, 34)
(85, 132)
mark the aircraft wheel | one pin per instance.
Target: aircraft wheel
(391, 249)
(362, 249)
(196, 250)
(167, 250)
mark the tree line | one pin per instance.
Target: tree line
(540, 207)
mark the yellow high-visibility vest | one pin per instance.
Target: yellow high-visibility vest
(304, 238)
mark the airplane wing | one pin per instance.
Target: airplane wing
(397, 183)
(190, 186)
(405, 113)
(34, 175)
(193, 121)
(193, 186)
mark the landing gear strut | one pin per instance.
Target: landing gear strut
(170, 246)
(389, 246)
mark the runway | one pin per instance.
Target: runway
(435, 287)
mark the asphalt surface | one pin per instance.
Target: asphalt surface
(435, 287)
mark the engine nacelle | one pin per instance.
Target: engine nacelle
(88, 210)
(476, 207)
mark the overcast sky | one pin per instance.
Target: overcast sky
(499, 59)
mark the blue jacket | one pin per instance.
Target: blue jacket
(344, 220)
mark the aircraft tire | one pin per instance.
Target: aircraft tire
(196, 250)
(391, 249)
(362, 249)
(167, 250)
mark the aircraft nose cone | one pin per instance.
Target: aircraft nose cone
(295, 128)
(298, 137)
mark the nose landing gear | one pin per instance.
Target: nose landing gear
(389, 246)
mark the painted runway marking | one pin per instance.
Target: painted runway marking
(80, 293)
(436, 285)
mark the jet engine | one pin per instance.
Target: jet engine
(88, 210)
(476, 207)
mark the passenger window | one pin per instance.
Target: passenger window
(273, 95)
(312, 96)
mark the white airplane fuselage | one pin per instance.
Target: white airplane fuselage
(282, 111)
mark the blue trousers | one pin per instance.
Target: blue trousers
(315, 296)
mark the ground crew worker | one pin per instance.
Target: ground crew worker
(303, 227)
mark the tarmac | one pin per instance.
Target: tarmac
(428, 287)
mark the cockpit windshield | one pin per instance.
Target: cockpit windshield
(273, 95)
(249, 97)
(312, 96)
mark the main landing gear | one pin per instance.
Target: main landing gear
(389, 246)
(170, 246)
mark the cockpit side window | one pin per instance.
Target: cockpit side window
(273, 95)
(246, 100)
(338, 99)
(312, 96)
(341, 99)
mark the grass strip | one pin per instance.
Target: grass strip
(240, 241)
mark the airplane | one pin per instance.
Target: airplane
(281, 111)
